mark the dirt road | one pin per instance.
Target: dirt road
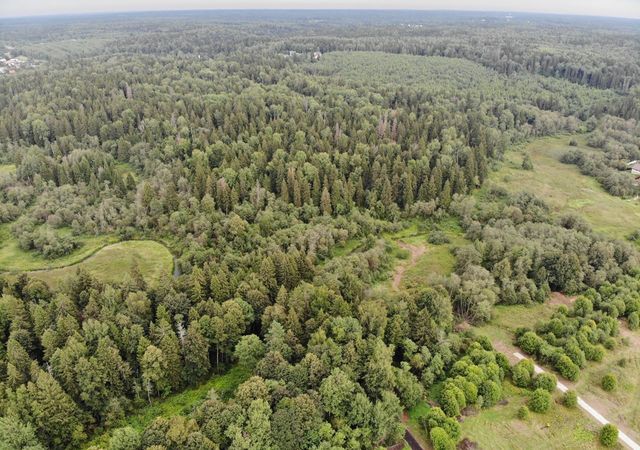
(415, 252)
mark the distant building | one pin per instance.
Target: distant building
(635, 168)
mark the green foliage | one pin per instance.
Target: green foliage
(540, 401)
(546, 381)
(441, 440)
(609, 382)
(523, 412)
(570, 399)
(522, 373)
(609, 435)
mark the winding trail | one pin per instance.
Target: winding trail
(622, 436)
(416, 251)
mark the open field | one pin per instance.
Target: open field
(621, 406)
(14, 259)
(565, 189)
(559, 428)
(499, 428)
(178, 404)
(111, 263)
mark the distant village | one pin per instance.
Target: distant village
(10, 65)
(314, 56)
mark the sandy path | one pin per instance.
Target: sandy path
(416, 251)
(622, 436)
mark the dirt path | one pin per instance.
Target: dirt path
(415, 251)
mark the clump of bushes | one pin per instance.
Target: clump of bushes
(570, 399)
(523, 412)
(441, 440)
(609, 382)
(522, 373)
(540, 401)
(438, 238)
(609, 435)
(546, 381)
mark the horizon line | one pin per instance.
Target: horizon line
(479, 11)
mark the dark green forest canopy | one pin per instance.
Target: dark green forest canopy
(272, 153)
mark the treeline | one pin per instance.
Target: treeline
(520, 253)
(619, 141)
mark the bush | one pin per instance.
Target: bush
(522, 372)
(609, 435)
(567, 368)
(441, 440)
(609, 382)
(437, 418)
(438, 238)
(530, 342)
(540, 401)
(634, 321)
(490, 392)
(573, 143)
(523, 412)
(527, 164)
(449, 403)
(570, 399)
(546, 381)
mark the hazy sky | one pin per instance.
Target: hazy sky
(618, 8)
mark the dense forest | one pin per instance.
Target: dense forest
(258, 148)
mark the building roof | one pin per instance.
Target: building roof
(636, 167)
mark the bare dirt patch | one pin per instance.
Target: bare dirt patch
(415, 252)
(558, 298)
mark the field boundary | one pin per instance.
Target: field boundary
(86, 257)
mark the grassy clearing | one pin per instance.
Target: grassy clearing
(438, 260)
(621, 406)
(560, 428)
(14, 259)
(565, 189)
(507, 318)
(113, 262)
(178, 404)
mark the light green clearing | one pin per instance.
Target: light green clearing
(565, 189)
(14, 259)
(178, 404)
(114, 262)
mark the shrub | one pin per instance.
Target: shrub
(441, 440)
(527, 164)
(634, 321)
(540, 401)
(522, 372)
(523, 412)
(438, 238)
(530, 342)
(609, 435)
(490, 392)
(449, 403)
(609, 382)
(437, 418)
(546, 381)
(567, 368)
(573, 143)
(570, 399)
